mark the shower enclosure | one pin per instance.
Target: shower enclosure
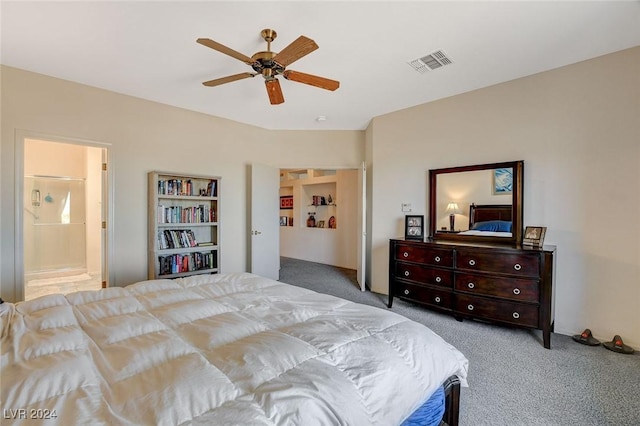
(54, 227)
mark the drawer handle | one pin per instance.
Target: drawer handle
(516, 315)
(437, 299)
(470, 307)
(471, 285)
(437, 259)
(517, 266)
(406, 292)
(438, 279)
(472, 262)
(405, 254)
(516, 291)
(406, 273)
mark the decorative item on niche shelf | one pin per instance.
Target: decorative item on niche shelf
(318, 200)
(321, 224)
(311, 221)
(534, 236)
(329, 199)
(414, 227)
(332, 222)
(283, 220)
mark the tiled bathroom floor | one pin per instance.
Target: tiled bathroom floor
(58, 286)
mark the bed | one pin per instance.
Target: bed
(493, 220)
(219, 349)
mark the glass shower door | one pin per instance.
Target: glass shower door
(54, 226)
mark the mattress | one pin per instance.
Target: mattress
(216, 349)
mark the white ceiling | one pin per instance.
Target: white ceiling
(149, 50)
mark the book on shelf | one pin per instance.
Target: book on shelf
(211, 188)
(176, 238)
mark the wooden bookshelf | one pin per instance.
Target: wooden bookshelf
(183, 225)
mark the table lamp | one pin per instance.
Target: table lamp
(452, 209)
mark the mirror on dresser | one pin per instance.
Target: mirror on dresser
(478, 203)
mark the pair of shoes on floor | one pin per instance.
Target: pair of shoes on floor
(616, 345)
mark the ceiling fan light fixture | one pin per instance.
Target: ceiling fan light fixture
(272, 64)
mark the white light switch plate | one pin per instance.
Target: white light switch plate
(406, 207)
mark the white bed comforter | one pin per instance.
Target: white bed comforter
(215, 349)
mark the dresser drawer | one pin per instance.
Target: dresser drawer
(511, 312)
(428, 295)
(424, 274)
(522, 290)
(505, 263)
(426, 255)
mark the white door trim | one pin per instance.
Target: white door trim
(107, 196)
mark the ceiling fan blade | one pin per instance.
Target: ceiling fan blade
(228, 79)
(297, 49)
(275, 92)
(313, 80)
(224, 49)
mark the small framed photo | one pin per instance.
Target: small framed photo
(534, 236)
(414, 227)
(290, 221)
(284, 220)
(321, 224)
(286, 202)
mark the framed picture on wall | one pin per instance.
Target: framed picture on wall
(286, 202)
(502, 181)
(414, 227)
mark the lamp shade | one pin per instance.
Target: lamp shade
(452, 207)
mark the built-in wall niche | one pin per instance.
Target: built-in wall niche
(300, 174)
(286, 206)
(319, 202)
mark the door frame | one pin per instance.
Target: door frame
(362, 220)
(107, 204)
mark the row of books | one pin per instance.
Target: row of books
(176, 238)
(185, 187)
(177, 263)
(180, 214)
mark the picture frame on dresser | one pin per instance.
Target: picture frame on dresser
(414, 227)
(534, 236)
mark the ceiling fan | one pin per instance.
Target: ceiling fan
(271, 64)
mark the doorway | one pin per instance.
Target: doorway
(321, 217)
(63, 231)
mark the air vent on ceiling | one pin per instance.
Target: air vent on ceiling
(433, 61)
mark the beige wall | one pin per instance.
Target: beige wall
(577, 129)
(145, 136)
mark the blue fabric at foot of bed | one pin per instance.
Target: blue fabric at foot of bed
(430, 413)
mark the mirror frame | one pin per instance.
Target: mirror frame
(516, 203)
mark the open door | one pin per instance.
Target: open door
(264, 221)
(362, 226)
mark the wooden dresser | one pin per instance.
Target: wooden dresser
(501, 284)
